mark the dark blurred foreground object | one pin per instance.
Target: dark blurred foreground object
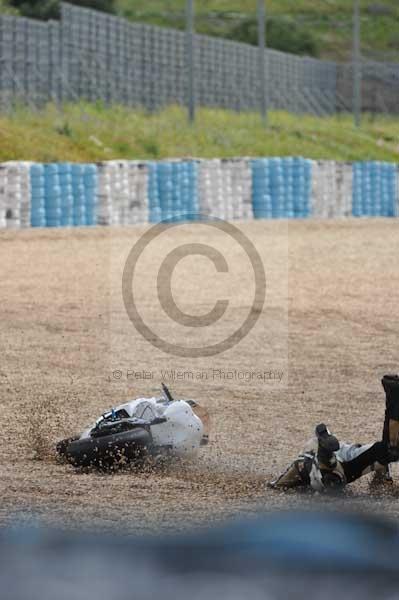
(300, 555)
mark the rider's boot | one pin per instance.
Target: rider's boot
(327, 446)
(390, 434)
(331, 470)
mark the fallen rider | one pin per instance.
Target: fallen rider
(327, 463)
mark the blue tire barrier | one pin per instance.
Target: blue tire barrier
(78, 192)
(52, 195)
(65, 178)
(90, 193)
(65, 194)
(281, 188)
(37, 198)
(374, 190)
(172, 190)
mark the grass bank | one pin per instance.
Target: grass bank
(85, 132)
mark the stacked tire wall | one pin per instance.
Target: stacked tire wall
(130, 192)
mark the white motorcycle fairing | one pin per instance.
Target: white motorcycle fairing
(181, 432)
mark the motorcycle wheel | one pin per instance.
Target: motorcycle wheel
(109, 450)
(62, 446)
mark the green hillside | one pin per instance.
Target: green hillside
(329, 21)
(5, 9)
(90, 133)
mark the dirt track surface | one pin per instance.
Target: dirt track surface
(64, 332)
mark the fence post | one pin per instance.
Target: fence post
(357, 68)
(190, 43)
(262, 59)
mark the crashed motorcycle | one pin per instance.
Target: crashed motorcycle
(145, 427)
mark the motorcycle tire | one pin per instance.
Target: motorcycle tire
(62, 446)
(109, 450)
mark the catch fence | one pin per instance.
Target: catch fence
(99, 57)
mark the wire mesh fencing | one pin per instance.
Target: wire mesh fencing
(98, 57)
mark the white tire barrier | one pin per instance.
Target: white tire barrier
(15, 194)
(123, 192)
(331, 189)
(225, 189)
